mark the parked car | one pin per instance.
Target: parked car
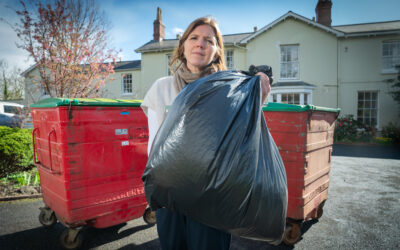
(13, 122)
(11, 114)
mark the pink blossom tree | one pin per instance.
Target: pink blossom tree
(67, 40)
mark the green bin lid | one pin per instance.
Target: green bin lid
(57, 102)
(283, 107)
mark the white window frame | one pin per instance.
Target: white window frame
(301, 90)
(376, 106)
(229, 56)
(394, 56)
(123, 76)
(293, 62)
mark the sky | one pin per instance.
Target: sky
(132, 20)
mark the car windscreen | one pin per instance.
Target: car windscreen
(12, 109)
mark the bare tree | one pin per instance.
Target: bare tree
(11, 82)
(67, 40)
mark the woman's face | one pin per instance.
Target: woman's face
(200, 48)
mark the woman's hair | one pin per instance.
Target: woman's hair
(178, 57)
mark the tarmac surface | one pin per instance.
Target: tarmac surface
(362, 212)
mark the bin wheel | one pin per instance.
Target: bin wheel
(71, 238)
(292, 234)
(149, 216)
(47, 217)
(320, 210)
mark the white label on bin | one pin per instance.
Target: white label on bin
(125, 143)
(123, 131)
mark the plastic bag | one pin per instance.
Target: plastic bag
(214, 160)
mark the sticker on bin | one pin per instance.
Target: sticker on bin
(123, 131)
(125, 143)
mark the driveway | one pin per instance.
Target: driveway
(362, 212)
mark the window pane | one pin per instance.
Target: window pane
(390, 54)
(359, 113)
(305, 99)
(296, 99)
(284, 98)
(290, 98)
(289, 62)
(367, 107)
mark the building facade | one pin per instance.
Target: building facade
(344, 67)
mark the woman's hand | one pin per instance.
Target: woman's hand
(265, 86)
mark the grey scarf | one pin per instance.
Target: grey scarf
(183, 76)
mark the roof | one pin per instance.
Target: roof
(128, 65)
(170, 44)
(121, 65)
(369, 28)
(293, 15)
(156, 46)
(292, 84)
(235, 38)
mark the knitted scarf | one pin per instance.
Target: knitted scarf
(183, 76)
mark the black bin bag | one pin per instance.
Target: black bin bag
(214, 160)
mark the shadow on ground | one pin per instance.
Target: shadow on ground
(368, 151)
(93, 237)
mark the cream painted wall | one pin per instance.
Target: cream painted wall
(33, 91)
(360, 70)
(239, 58)
(317, 60)
(113, 87)
(154, 66)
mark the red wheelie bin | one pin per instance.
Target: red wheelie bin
(91, 154)
(304, 136)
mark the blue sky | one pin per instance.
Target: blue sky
(132, 21)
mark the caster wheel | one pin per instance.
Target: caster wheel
(47, 217)
(71, 239)
(149, 216)
(292, 234)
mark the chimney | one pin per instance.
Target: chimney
(255, 28)
(159, 28)
(323, 12)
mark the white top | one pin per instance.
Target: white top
(160, 96)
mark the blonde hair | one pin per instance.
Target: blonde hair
(178, 57)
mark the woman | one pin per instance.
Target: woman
(200, 52)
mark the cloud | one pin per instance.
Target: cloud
(177, 30)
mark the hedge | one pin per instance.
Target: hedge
(16, 153)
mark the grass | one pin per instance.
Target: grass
(26, 178)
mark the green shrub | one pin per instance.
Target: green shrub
(25, 178)
(348, 129)
(392, 131)
(16, 153)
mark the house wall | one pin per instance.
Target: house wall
(113, 86)
(33, 92)
(154, 66)
(317, 60)
(360, 69)
(239, 58)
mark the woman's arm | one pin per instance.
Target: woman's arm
(153, 127)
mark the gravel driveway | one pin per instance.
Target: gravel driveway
(362, 212)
